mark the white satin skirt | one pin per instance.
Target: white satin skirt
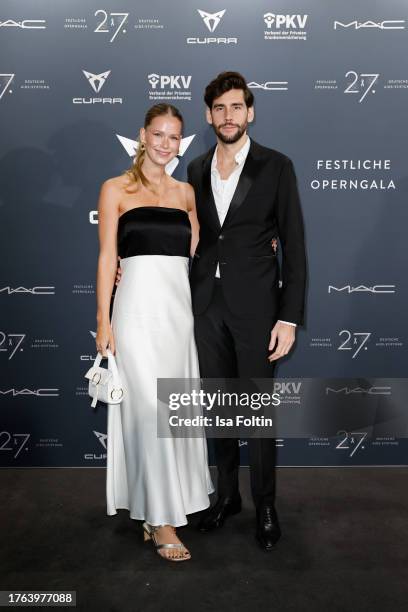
(159, 480)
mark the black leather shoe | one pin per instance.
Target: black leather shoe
(267, 527)
(215, 516)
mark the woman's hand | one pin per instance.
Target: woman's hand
(104, 339)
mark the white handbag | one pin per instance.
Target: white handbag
(104, 384)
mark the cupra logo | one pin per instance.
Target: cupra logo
(211, 20)
(96, 81)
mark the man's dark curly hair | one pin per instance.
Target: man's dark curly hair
(223, 83)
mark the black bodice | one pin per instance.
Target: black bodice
(154, 230)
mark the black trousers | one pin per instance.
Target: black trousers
(229, 347)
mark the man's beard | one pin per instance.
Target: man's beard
(233, 137)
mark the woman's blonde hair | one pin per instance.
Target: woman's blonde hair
(135, 171)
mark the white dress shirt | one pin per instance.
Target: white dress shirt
(223, 189)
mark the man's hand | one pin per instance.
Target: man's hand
(118, 273)
(283, 335)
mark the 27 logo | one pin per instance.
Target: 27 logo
(5, 81)
(361, 84)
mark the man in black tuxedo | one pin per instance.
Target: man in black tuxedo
(247, 199)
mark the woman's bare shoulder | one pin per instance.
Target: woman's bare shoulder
(118, 182)
(185, 190)
(188, 191)
(183, 186)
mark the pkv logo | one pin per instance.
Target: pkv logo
(164, 81)
(285, 21)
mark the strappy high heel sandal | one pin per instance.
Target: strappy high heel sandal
(149, 534)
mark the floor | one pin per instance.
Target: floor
(344, 546)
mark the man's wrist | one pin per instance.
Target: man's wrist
(287, 323)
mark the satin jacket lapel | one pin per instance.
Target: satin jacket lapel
(209, 206)
(245, 182)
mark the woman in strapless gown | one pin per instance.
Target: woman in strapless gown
(159, 480)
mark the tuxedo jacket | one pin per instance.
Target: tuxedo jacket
(265, 205)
